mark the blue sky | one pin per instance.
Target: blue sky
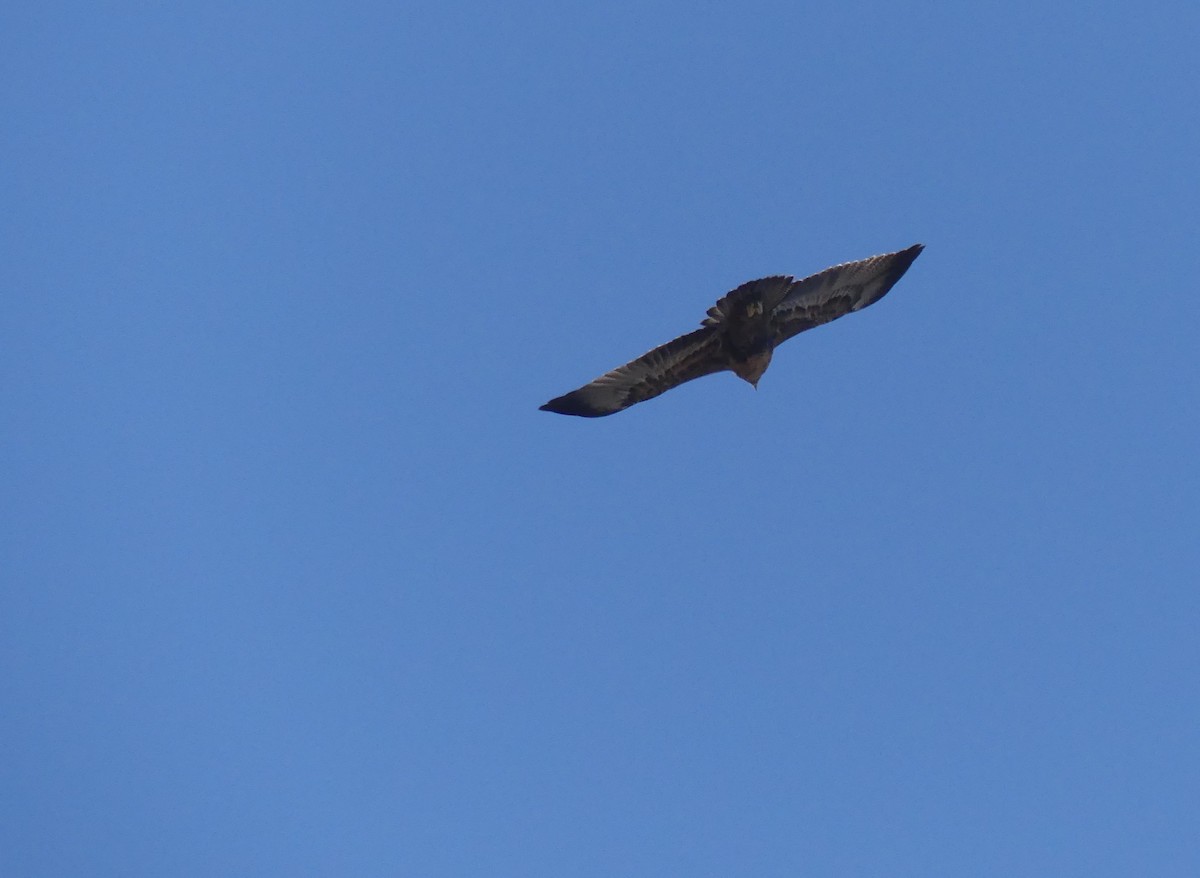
(298, 581)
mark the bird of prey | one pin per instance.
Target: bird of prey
(741, 332)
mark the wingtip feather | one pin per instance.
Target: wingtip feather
(573, 403)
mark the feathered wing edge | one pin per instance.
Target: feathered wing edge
(683, 359)
(837, 291)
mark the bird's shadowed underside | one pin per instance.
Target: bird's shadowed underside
(740, 332)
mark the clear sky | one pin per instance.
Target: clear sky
(297, 580)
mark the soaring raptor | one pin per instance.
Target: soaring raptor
(740, 332)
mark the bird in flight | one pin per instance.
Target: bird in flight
(741, 332)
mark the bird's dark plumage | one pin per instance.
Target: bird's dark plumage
(740, 332)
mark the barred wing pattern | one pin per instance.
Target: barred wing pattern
(687, 357)
(839, 290)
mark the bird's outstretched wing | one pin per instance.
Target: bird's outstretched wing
(835, 291)
(689, 356)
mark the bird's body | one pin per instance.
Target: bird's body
(741, 332)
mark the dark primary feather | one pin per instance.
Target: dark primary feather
(740, 331)
(687, 357)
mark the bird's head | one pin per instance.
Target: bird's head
(751, 369)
